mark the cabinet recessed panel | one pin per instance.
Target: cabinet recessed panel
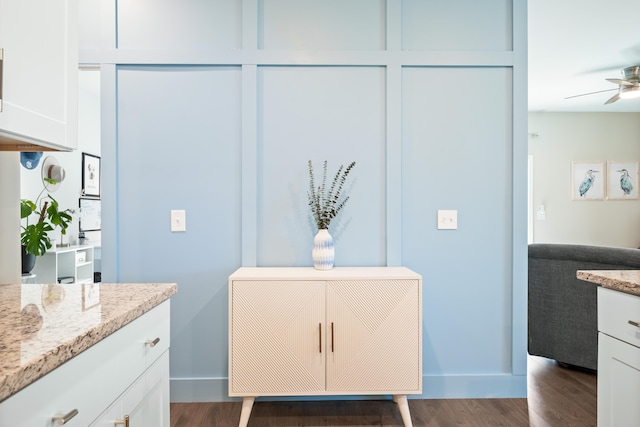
(618, 382)
(276, 334)
(376, 336)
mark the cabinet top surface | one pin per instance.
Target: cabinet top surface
(309, 273)
(70, 248)
(43, 326)
(627, 281)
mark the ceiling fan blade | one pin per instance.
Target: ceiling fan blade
(620, 82)
(590, 93)
(613, 99)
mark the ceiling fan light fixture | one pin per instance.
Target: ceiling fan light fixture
(629, 92)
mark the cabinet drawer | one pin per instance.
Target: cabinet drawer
(615, 311)
(94, 379)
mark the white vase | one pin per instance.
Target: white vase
(323, 253)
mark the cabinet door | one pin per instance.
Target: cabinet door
(276, 344)
(40, 67)
(618, 383)
(376, 336)
(146, 402)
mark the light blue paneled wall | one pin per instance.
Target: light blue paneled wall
(456, 158)
(215, 108)
(174, 156)
(307, 113)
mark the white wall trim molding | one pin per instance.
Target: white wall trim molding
(435, 387)
(519, 248)
(306, 57)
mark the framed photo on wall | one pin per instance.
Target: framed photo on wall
(587, 180)
(90, 175)
(90, 218)
(622, 180)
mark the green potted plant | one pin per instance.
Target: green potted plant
(325, 204)
(34, 236)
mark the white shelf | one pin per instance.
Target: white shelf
(61, 262)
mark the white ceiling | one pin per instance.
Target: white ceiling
(574, 45)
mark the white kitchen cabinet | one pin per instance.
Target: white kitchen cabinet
(122, 371)
(618, 359)
(39, 45)
(146, 402)
(301, 332)
(65, 262)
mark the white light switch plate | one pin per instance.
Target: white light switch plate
(447, 220)
(178, 220)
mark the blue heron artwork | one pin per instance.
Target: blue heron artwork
(625, 182)
(588, 179)
(622, 180)
(587, 182)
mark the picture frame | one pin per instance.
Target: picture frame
(90, 175)
(588, 180)
(622, 180)
(90, 218)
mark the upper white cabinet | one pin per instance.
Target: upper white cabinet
(295, 331)
(39, 42)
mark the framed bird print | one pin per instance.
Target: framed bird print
(622, 180)
(587, 180)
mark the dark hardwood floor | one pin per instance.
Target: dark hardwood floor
(558, 396)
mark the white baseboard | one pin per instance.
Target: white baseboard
(433, 387)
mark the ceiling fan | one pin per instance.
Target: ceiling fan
(628, 85)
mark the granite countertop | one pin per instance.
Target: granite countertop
(43, 326)
(627, 281)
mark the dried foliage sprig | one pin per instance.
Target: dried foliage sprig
(324, 204)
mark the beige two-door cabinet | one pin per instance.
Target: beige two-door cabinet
(304, 332)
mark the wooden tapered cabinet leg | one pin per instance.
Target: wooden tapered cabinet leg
(403, 405)
(247, 405)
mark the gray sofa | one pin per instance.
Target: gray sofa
(562, 310)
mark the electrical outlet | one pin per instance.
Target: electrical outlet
(178, 220)
(447, 220)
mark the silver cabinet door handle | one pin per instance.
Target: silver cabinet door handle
(63, 419)
(152, 343)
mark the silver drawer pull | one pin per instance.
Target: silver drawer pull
(124, 422)
(153, 343)
(63, 419)
(636, 324)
